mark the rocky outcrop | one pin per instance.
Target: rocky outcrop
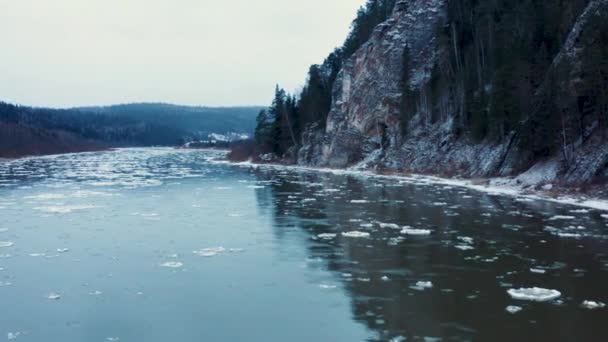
(365, 125)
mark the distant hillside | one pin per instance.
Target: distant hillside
(36, 131)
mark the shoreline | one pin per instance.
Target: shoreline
(493, 186)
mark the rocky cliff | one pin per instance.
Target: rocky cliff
(416, 95)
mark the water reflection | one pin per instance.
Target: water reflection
(481, 245)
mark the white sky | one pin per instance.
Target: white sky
(63, 53)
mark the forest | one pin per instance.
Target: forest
(32, 131)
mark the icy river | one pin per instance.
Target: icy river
(170, 245)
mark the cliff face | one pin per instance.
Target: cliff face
(400, 102)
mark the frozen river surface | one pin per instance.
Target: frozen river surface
(167, 245)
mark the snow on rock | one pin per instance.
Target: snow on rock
(356, 234)
(535, 294)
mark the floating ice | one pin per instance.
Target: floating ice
(5, 244)
(172, 264)
(63, 250)
(385, 278)
(466, 239)
(366, 225)
(3, 230)
(464, 247)
(54, 296)
(96, 293)
(592, 305)
(209, 252)
(535, 294)
(13, 335)
(561, 217)
(422, 285)
(538, 270)
(359, 201)
(513, 309)
(326, 236)
(389, 225)
(5, 283)
(327, 287)
(64, 209)
(411, 231)
(112, 339)
(356, 234)
(580, 211)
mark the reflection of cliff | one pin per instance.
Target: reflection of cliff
(467, 300)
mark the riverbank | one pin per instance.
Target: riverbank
(588, 197)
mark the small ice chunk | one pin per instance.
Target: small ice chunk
(172, 264)
(3, 230)
(385, 278)
(96, 293)
(366, 225)
(356, 234)
(592, 305)
(326, 236)
(513, 309)
(13, 335)
(580, 211)
(4, 244)
(359, 201)
(561, 217)
(464, 247)
(538, 270)
(112, 339)
(5, 283)
(407, 230)
(54, 296)
(209, 252)
(535, 294)
(466, 239)
(327, 287)
(63, 250)
(422, 285)
(389, 225)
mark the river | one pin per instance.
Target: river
(160, 244)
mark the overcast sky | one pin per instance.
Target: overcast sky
(64, 53)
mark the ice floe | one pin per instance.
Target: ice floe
(407, 230)
(592, 305)
(561, 217)
(5, 244)
(422, 285)
(64, 209)
(356, 234)
(535, 294)
(389, 225)
(5, 283)
(13, 335)
(463, 247)
(538, 270)
(326, 236)
(63, 250)
(172, 264)
(359, 201)
(512, 309)
(209, 252)
(327, 287)
(54, 296)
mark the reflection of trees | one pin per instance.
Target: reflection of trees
(466, 293)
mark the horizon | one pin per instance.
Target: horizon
(68, 54)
